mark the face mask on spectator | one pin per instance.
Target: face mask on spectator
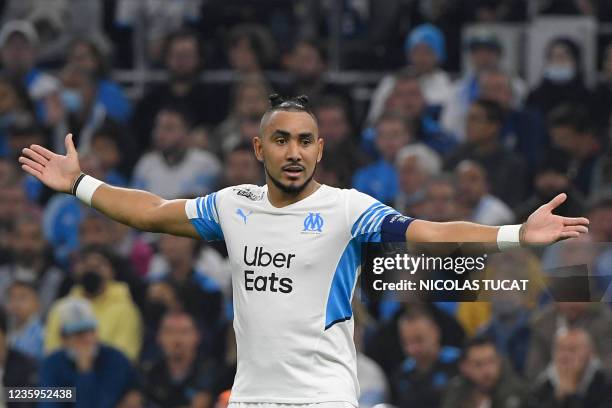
(72, 100)
(559, 73)
(91, 282)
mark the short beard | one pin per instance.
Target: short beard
(291, 190)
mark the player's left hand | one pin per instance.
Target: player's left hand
(543, 227)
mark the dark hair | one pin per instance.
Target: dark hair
(573, 116)
(242, 147)
(182, 34)
(476, 341)
(259, 39)
(102, 250)
(416, 312)
(109, 130)
(600, 201)
(493, 110)
(294, 104)
(102, 68)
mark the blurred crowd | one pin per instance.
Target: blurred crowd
(140, 320)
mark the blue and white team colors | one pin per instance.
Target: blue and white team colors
(294, 271)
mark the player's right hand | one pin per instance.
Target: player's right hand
(55, 171)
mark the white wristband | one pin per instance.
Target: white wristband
(509, 237)
(86, 188)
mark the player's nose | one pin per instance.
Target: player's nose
(293, 152)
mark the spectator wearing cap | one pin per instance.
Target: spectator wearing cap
(425, 51)
(574, 378)
(484, 53)
(475, 201)
(16, 368)
(507, 171)
(118, 317)
(26, 331)
(428, 367)
(562, 78)
(19, 42)
(31, 261)
(101, 374)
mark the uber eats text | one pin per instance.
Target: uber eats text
(255, 281)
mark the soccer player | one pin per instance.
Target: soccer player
(294, 247)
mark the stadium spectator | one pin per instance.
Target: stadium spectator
(485, 52)
(575, 139)
(111, 150)
(506, 171)
(250, 99)
(428, 367)
(241, 167)
(385, 347)
(594, 318)
(173, 169)
(32, 261)
(16, 368)
(574, 378)
(307, 65)
(336, 129)
(197, 292)
(425, 51)
(600, 214)
(86, 55)
(13, 102)
(474, 199)
(523, 129)
(180, 377)
(551, 178)
(407, 99)
(250, 49)
(485, 379)
(439, 203)
(118, 318)
(18, 42)
(127, 255)
(562, 79)
(380, 178)
(204, 104)
(416, 164)
(25, 328)
(102, 375)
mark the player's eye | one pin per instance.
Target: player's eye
(306, 141)
(281, 141)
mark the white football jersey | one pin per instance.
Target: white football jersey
(294, 271)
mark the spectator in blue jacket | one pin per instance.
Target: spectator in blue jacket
(102, 375)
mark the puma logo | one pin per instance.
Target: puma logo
(243, 215)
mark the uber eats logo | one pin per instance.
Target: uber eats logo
(262, 283)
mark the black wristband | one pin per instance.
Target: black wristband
(76, 184)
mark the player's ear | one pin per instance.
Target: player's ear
(320, 143)
(258, 148)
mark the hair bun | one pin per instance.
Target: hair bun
(302, 100)
(276, 100)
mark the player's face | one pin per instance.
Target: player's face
(290, 149)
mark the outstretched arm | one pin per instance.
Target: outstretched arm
(541, 228)
(138, 209)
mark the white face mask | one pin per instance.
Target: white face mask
(559, 73)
